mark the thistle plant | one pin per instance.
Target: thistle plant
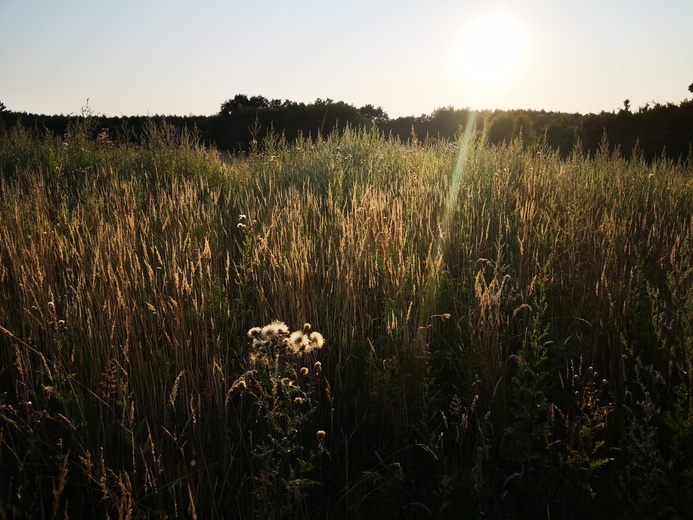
(279, 389)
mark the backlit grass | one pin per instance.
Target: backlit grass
(520, 346)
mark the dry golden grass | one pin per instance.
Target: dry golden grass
(129, 281)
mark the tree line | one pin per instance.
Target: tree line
(654, 130)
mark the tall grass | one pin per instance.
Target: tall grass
(520, 347)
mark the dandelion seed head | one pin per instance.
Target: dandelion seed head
(304, 371)
(306, 328)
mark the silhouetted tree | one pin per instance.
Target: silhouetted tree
(561, 135)
(377, 115)
(523, 126)
(501, 128)
(3, 126)
(241, 101)
(446, 123)
(690, 87)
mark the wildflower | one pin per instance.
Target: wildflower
(317, 368)
(306, 328)
(193, 463)
(51, 306)
(298, 401)
(286, 382)
(242, 217)
(254, 332)
(304, 371)
(241, 226)
(321, 435)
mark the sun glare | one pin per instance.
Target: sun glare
(490, 49)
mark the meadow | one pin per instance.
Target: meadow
(346, 327)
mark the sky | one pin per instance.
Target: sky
(410, 57)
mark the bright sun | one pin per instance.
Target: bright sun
(490, 49)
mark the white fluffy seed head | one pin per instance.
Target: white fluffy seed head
(274, 329)
(316, 340)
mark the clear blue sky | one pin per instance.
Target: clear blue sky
(408, 56)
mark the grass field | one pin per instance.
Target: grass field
(507, 334)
